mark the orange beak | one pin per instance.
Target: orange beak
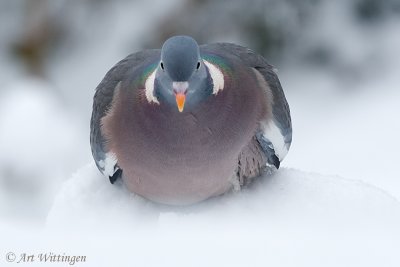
(180, 101)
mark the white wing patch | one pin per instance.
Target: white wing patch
(149, 88)
(216, 76)
(108, 164)
(274, 135)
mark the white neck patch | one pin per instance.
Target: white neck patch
(216, 76)
(149, 88)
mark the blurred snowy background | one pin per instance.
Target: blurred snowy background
(339, 64)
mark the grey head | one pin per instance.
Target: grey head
(182, 80)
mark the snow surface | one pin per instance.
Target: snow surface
(351, 134)
(292, 218)
(88, 198)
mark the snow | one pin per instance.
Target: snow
(88, 197)
(348, 134)
(36, 132)
(289, 218)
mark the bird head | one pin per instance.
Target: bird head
(181, 77)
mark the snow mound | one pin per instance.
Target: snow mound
(291, 218)
(88, 198)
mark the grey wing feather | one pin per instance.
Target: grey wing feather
(280, 107)
(103, 98)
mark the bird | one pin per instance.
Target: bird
(188, 122)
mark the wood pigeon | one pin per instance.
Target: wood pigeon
(188, 122)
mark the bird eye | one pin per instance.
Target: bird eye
(198, 65)
(162, 65)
